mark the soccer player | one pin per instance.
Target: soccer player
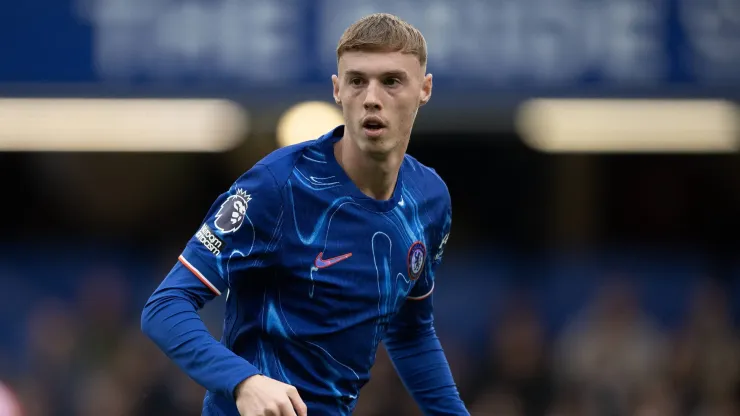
(323, 250)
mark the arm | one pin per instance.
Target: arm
(245, 216)
(170, 319)
(415, 349)
(420, 361)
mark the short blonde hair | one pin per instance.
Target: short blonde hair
(383, 32)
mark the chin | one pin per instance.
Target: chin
(378, 147)
(376, 143)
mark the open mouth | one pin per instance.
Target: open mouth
(373, 125)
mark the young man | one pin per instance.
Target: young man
(325, 249)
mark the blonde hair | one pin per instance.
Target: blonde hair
(383, 32)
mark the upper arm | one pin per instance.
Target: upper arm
(418, 308)
(240, 232)
(424, 287)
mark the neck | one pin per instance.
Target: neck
(376, 177)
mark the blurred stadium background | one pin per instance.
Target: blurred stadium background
(591, 149)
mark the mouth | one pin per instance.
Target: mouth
(373, 126)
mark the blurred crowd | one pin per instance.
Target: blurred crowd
(611, 360)
(84, 355)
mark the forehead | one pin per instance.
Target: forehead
(376, 63)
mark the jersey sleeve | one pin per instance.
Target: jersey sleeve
(425, 285)
(412, 342)
(240, 232)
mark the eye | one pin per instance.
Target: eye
(355, 81)
(391, 82)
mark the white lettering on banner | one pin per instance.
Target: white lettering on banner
(547, 42)
(713, 29)
(246, 40)
(497, 42)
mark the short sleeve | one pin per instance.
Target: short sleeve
(240, 232)
(425, 285)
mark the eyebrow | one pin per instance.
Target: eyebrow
(387, 74)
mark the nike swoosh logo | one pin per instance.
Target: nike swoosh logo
(322, 263)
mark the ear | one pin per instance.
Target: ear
(426, 90)
(335, 85)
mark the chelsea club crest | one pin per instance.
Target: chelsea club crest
(416, 259)
(231, 214)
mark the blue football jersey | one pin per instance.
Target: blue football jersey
(314, 271)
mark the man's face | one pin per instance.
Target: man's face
(380, 94)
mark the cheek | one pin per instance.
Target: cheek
(407, 102)
(351, 110)
(405, 110)
(348, 104)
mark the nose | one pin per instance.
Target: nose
(372, 97)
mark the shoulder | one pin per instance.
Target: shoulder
(280, 163)
(260, 187)
(429, 182)
(437, 201)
